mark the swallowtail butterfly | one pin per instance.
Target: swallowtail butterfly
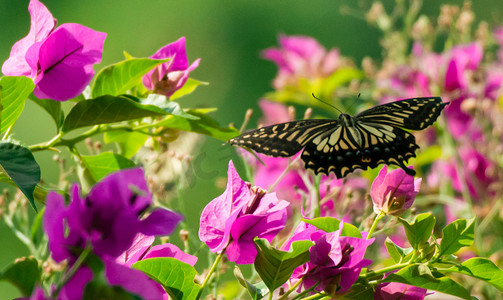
(372, 137)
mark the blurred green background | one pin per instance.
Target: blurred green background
(228, 36)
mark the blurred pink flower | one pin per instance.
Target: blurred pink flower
(232, 220)
(394, 192)
(167, 78)
(301, 57)
(60, 62)
(461, 59)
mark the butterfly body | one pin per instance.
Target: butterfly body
(372, 137)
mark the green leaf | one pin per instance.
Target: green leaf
(340, 77)
(480, 268)
(168, 106)
(118, 78)
(205, 125)
(256, 291)
(101, 290)
(274, 266)
(13, 94)
(129, 141)
(411, 275)
(396, 252)
(105, 163)
(107, 109)
(420, 230)
(175, 276)
(428, 155)
(23, 274)
(456, 235)
(53, 108)
(187, 88)
(360, 291)
(39, 194)
(329, 224)
(19, 164)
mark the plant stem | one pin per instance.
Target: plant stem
(74, 268)
(384, 270)
(210, 272)
(374, 224)
(292, 288)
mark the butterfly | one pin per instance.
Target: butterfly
(372, 137)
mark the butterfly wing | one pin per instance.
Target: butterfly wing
(413, 114)
(360, 147)
(284, 139)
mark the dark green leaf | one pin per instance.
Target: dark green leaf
(481, 268)
(256, 291)
(411, 275)
(102, 290)
(23, 274)
(175, 276)
(205, 125)
(398, 254)
(53, 108)
(118, 78)
(420, 230)
(105, 163)
(456, 235)
(329, 224)
(20, 165)
(13, 94)
(39, 194)
(360, 291)
(274, 266)
(107, 109)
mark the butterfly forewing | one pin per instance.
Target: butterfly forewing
(371, 138)
(413, 114)
(284, 139)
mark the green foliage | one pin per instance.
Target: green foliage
(13, 94)
(23, 274)
(118, 78)
(329, 224)
(102, 290)
(111, 109)
(19, 164)
(413, 275)
(204, 125)
(256, 291)
(419, 231)
(456, 235)
(105, 163)
(396, 252)
(187, 88)
(275, 266)
(480, 268)
(175, 276)
(53, 108)
(129, 142)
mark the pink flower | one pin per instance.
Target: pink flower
(231, 221)
(169, 77)
(335, 261)
(461, 59)
(60, 62)
(108, 218)
(396, 290)
(393, 192)
(301, 57)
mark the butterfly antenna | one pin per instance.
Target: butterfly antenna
(326, 103)
(357, 98)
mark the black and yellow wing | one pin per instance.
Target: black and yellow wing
(373, 137)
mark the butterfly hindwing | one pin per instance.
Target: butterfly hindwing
(284, 139)
(344, 155)
(413, 114)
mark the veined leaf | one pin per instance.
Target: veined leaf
(53, 108)
(105, 163)
(118, 78)
(481, 268)
(396, 252)
(20, 165)
(23, 274)
(175, 276)
(420, 230)
(329, 224)
(187, 88)
(13, 94)
(108, 109)
(456, 235)
(275, 266)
